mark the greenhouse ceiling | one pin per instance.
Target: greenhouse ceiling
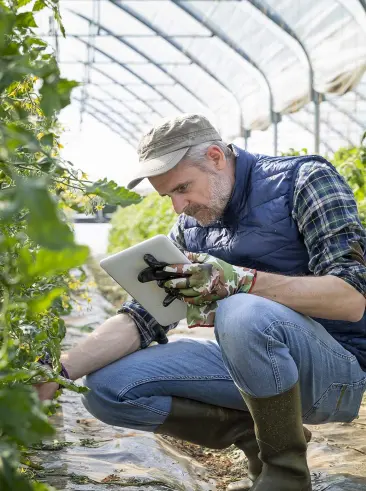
(259, 69)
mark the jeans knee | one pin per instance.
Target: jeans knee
(97, 401)
(242, 315)
(117, 398)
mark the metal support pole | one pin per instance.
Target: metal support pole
(276, 118)
(246, 138)
(316, 100)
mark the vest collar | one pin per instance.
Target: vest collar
(243, 167)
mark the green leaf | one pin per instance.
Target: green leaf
(17, 136)
(43, 302)
(22, 3)
(25, 407)
(57, 15)
(30, 41)
(7, 21)
(113, 194)
(56, 95)
(48, 139)
(16, 376)
(49, 262)
(39, 5)
(44, 225)
(24, 20)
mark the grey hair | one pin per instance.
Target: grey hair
(197, 154)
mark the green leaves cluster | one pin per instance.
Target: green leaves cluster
(37, 248)
(153, 216)
(351, 163)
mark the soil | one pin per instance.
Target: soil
(224, 466)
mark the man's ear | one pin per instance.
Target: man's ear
(217, 157)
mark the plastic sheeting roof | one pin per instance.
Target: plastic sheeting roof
(246, 64)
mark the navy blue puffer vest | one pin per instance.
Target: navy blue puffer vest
(258, 231)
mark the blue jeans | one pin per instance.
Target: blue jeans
(262, 347)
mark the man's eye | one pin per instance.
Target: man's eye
(183, 188)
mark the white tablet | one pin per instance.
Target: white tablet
(125, 266)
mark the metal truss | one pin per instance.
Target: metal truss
(276, 19)
(306, 128)
(117, 113)
(173, 42)
(135, 74)
(109, 126)
(346, 113)
(109, 118)
(136, 96)
(220, 34)
(123, 103)
(332, 128)
(147, 58)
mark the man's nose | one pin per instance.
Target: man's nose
(179, 204)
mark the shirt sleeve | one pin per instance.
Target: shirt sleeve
(149, 329)
(325, 211)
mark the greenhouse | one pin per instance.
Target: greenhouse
(183, 245)
(271, 74)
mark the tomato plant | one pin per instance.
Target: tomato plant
(37, 250)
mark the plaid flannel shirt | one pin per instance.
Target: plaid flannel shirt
(326, 214)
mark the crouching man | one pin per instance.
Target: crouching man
(278, 269)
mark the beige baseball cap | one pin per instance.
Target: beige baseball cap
(164, 146)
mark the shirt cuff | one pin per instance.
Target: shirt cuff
(149, 329)
(357, 279)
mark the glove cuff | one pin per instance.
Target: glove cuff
(247, 280)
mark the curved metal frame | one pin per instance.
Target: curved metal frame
(306, 128)
(272, 16)
(123, 103)
(216, 31)
(332, 128)
(143, 80)
(346, 113)
(140, 99)
(116, 82)
(128, 10)
(110, 127)
(112, 120)
(345, 4)
(139, 52)
(114, 111)
(94, 112)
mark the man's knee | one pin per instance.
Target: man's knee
(119, 395)
(247, 316)
(101, 399)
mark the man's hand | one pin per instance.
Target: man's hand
(208, 279)
(200, 284)
(46, 391)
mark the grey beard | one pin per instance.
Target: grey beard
(220, 195)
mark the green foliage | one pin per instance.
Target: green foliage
(37, 248)
(153, 216)
(351, 164)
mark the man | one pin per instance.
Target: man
(279, 268)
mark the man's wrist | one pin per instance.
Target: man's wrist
(248, 280)
(67, 365)
(46, 361)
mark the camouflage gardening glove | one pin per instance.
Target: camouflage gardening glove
(205, 281)
(155, 272)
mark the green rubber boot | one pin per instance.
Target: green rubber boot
(216, 427)
(282, 443)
